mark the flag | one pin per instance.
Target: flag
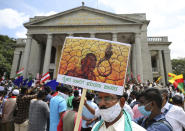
(30, 83)
(171, 76)
(18, 81)
(159, 78)
(25, 82)
(178, 82)
(131, 74)
(52, 84)
(127, 78)
(19, 73)
(139, 78)
(3, 77)
(45, 77)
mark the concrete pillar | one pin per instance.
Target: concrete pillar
(26, 55)
(134, 60)
(114, 37)
(139, 65)
(161, 69)
(167, 62)
(47, 53)
(92, 35)
(14, 64)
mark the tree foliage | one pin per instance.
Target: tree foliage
(7, 46)
(178, 66)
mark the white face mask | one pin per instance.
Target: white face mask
(110, 114)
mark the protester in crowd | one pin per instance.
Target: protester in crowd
(68, 119)
(135, 110)
(58, 105)
(76, 93)
(132, 97)
(2, 100)
(150, 106)
(22, 109)
(178, 101)
(88, 119)
(48, 94)
(127, 107)
(70, 99)
(38, 113)
(112, 114)
(56, 92)
(174, 115)
(8, 112)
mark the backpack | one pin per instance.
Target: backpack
(60, 124)
(128, 125)
(165, 122)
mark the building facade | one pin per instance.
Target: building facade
(41, 51)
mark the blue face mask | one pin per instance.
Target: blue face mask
(143, 111)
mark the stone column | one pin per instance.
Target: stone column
(161, 66)
(167, 60)
(114, 37)
(47, 53)
(139, 66)
(92, 35)
(26, 55)
(134, 60)
(14, 64)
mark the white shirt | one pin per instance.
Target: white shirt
(119, 126)
(87, 114)
(128, 109)
(175, 116)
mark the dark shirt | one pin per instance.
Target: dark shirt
(22, 111)
(38, 115)
(158, 123)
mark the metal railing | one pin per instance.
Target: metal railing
(158, 39)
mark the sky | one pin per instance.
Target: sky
(167, 17)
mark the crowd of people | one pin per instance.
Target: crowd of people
(147, 106)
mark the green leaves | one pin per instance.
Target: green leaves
(7, 46)
(178, 66)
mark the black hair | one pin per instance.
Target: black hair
(76, 93)
(153, 94)
(89, 96)
(164, 91)
(58, 88)
(23, 90)
(76, 102)
(64, 88)
(47, 89)
(177, 100)
(41, 94)
(125, 95)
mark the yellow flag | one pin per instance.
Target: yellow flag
(159, 78)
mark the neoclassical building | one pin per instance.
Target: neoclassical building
(40, 51)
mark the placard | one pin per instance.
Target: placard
(94, 64)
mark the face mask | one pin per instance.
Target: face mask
(143, 111)
(110, 114)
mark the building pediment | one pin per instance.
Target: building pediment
(83, 16)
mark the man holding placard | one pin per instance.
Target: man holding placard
(98, 65)
(112, 114)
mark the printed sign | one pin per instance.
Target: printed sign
(94, 64)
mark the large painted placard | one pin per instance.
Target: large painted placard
(94, 64)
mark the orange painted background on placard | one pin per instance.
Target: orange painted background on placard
(75, 50)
